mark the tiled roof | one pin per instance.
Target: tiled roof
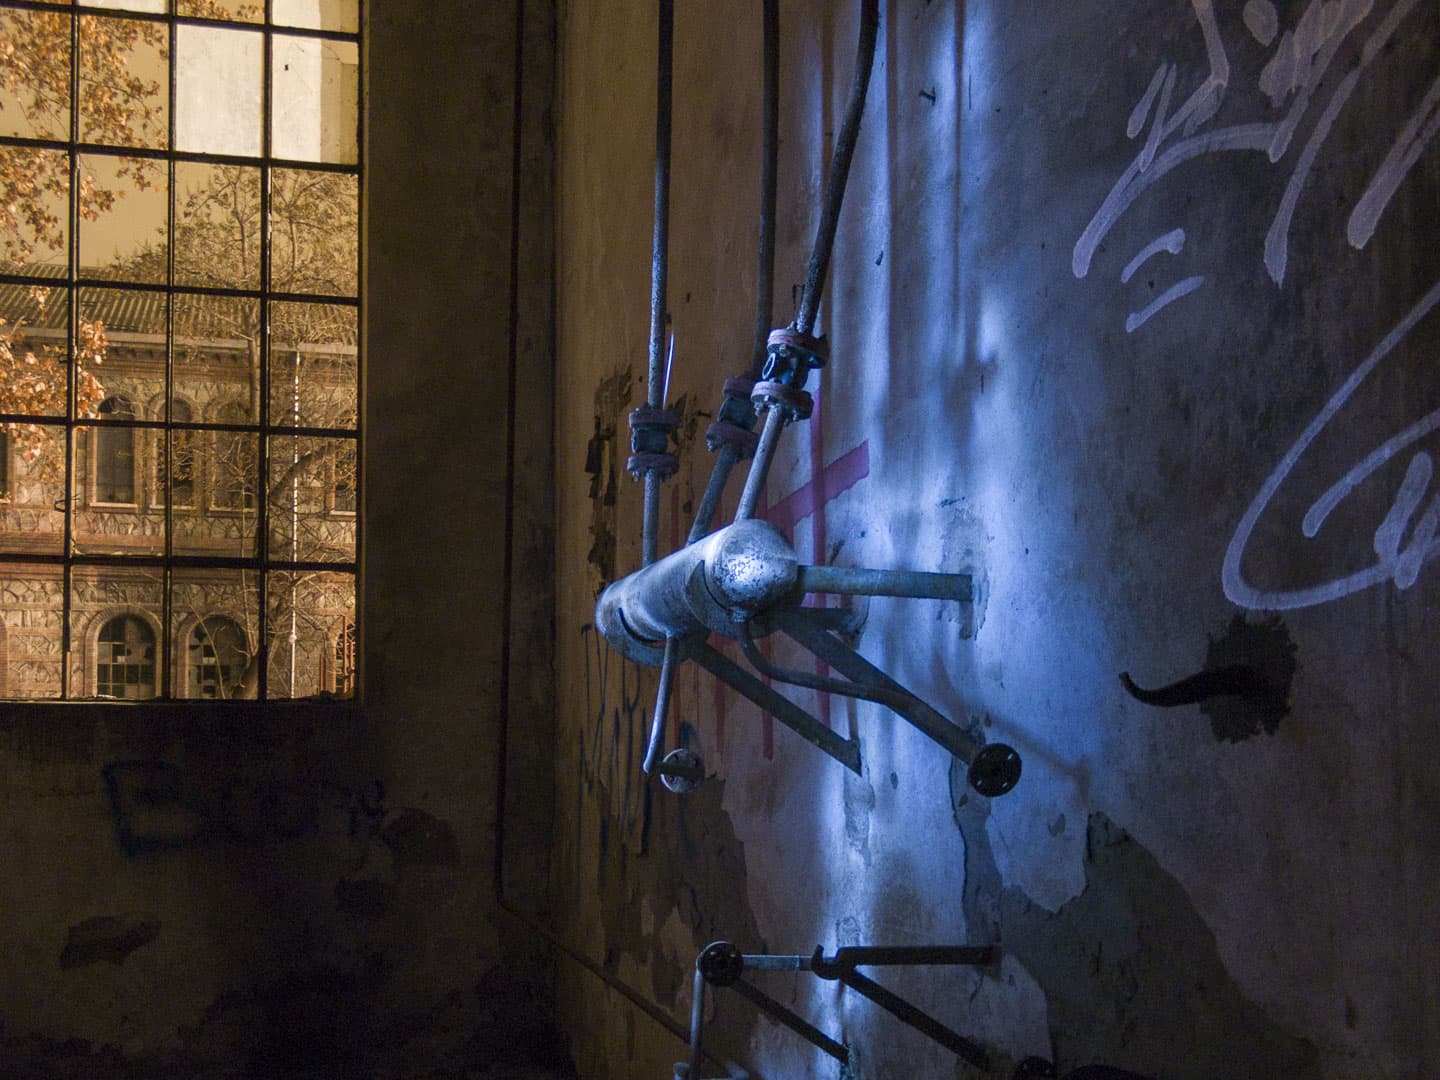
(121, 310)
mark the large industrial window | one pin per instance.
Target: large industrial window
(179, 347)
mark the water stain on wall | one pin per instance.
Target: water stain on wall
(1265, 647)
(602, 463)
(1131, 974)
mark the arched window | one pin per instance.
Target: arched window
(115, 454)
(217, 658)
(175, 464)
(233, 462)
(125, 659)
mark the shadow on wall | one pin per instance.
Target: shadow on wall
(1131, 973)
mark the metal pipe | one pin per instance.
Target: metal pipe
(697, 1020)
(725, 462)
(659, 264)
(796, 1023)
(760, 466)
(660, 238)
(662, 704)
(839, 169)
(902, 1010)
(853, 956)
(769, 170)
(766, 962)
(859, 582)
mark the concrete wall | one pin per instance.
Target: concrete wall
(310, 890)
(1122, 451)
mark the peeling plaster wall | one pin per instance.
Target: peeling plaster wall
(1122, 450)
(304, 889)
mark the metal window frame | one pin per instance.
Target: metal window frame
(261, 564)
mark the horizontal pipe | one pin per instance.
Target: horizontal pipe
(847, 581)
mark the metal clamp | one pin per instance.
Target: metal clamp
(791, 354)
(650, 431)
(790, 401)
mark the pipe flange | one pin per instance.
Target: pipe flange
(682, 771)
(721, 434)
(721, 963)
(662, 465)
(994, 770)
(788, 343)
(796, 404)
(650, 429)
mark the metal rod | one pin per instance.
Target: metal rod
(907, 1013)
(854, 666)
(853, 956)
(890, 698)
(772, 1008)
(697, 1020)
(760, 466)
(766, 962)
(779, 706)
(662, 703)
(839, 169)
(725, 462)
(659, 264)
(859, 582)
(650, 522)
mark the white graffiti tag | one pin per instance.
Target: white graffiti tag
(1291, 76)
(1397, 559)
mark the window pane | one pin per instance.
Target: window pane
(114, 515)
(343, 15)
(123, 206)
(34, 214)
(31, 618)
(313, 376)
(313, 611)
(217, 359)
(33, 327)
(223, 522)
(124, 85)
(231, 10)
(314, 232)
(32, 515)
(175, 454)
(122, 345)
(114, 632)
(314, 98)
(35, 77)
(217, 78)
(312, 499)
(217, 226)
(129, 5)
(216, 616)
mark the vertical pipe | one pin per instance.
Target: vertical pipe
(659, 264)
(839, 169)
(755, 480)
(697, 1019)
(769, 170)
(662, 703)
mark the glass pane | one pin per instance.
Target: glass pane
(33, 327)
(115, 632)
(217, 359)
(34, 209)
(217, 226)
(31, 622)
(312, 499)
(217, 78)
(175, 455)
(129, 5)
(342, 15)
(314, 232)
(221, 484)
(114, 514)
(122, 346)
(35, 77)
(313, 380)
(123, 206)
(216, 617)
(315, 98)
(317, 613)
(32, 506)
(124, 81)
(230, 10)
